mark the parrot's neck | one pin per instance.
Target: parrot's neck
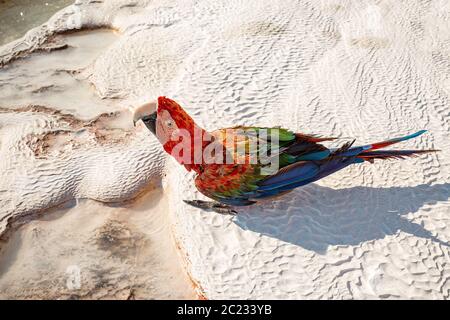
(189, 151)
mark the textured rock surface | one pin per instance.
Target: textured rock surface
(88, 250)
(366, 69)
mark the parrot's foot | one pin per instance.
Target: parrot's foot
(211, 205)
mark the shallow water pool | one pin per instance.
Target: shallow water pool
(19, 16)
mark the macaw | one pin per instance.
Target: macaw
(232, 177)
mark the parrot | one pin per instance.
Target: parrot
(228, 164)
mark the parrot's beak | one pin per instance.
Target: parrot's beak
(146, 113)
(150, 122)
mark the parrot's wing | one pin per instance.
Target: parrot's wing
(240, 182)
(290, 147)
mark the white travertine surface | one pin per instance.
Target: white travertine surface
(366, 69)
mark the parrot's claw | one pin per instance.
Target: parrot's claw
(211, 205)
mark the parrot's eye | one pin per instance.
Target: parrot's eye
(169, 123)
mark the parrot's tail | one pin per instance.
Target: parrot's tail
(391, 154)
(370, 155)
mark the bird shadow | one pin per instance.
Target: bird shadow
(315, 217)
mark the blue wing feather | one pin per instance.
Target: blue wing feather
(288, 175)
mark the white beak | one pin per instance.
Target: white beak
(144, 110)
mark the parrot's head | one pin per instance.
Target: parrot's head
(164, 118)
(167, 120)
